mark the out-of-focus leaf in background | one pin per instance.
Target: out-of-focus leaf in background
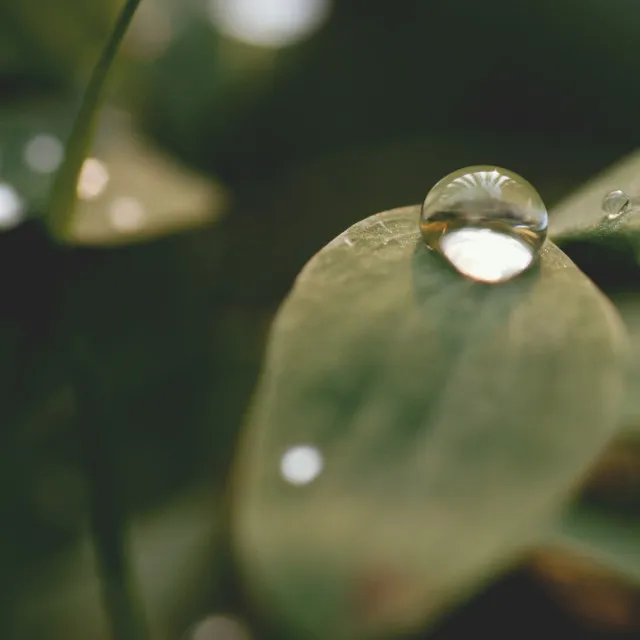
(129, 191)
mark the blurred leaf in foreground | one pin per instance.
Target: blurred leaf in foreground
(403, 407)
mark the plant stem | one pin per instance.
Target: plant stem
(63, 194)
(108, 520)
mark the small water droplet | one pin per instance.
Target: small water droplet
(616, 203)
(489, 223)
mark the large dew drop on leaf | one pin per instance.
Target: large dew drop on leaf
(414, 430)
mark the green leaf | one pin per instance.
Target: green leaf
(146, 194)
(580, 215)
(134, 192)
(607, 250)
(452, 419)
(612, 542)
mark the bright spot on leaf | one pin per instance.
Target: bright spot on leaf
(11, 207)
(93, 180)
(301, 464)
(483, 254)
(43, 153)
(269, 23)
(127, 214)
(219, 628)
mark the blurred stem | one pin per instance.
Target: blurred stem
(63, 194)
(108, 521)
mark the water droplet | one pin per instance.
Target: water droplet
(219, 628)
(301, 464)
(616, 203)
(11, 207)
(43, 153)
(489, 223)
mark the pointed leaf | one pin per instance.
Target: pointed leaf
(581, 213)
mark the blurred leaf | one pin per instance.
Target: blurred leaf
(179, 359)
(608, 540)
(146, 194)
(175, 564)
(438, 406)
(19, 128)
(134, 192)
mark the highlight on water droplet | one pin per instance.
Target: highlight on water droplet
(43, 153)
(616, 203)
(301, 464)
(12, 209)
(269, 23)
(219, 627)
(488, 222)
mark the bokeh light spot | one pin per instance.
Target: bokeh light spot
(269, 23)
(301, 464)
(93, 180)
(43, 153)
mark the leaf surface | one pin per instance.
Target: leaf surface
(414, 430)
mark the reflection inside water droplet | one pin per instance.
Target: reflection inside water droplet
(11, 207)
(219, 628)
(616, 203)
(483, 254)
(301, 464)
(488, 222)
